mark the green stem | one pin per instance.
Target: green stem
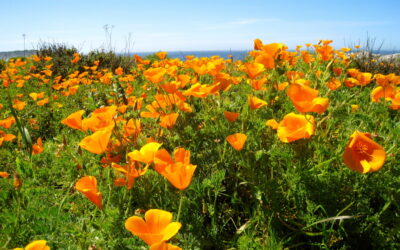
(65, 197)
(21, 130)
(129, 203)
(31, 167)
(223, 152)
(17, 194)
(180, 205)
(109, 186)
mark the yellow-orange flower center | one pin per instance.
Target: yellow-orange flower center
(361, 148)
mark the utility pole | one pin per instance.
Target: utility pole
(24, 36)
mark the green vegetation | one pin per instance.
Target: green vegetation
(269, 195)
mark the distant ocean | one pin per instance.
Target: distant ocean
(236, 54)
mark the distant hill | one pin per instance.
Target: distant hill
(17, 53)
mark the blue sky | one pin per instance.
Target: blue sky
(178, 25)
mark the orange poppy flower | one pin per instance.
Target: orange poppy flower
(254, 69)
(201, 90)
(168, 121)
(237, 140)
(88, 187)
(161, 54)
(258, 44)
(130, 171)
(122, 108)
(132, 128)
(257, 84)
(178, 173)
(183, 79)
(305, 99)
(337, 71)
(154, 75)
(302, 81)
(272, 123)
(381, 80)
(42, 102)
(152, 112)
(354, 107)
(353, 72)
(395, 101)
(4, 174)
(385, 92)
(364, 78)
(146, 153)
(6, 137)
(156, 227)
(76, 58)
(74, 120)
(350, 82)
(97, 142)
(318, 73)
(281, 86)
(34, 96)
(119, 71)
(20, 83)
(100, 118)
(8, 122)
(294, 127)
(333, 84)
(231, 116)
(35, 245)
(37, 148)
(363, 154)
(171, 87)
(346, 49)
(35, 58)
(295, 76)
(17, 181)
(325, 52)
(225, 80)
(256, 103)
(273, 49)
(164, 246)
(266, 59)
(307, 57)
(19, 105)
(47, 72)
(73, 89)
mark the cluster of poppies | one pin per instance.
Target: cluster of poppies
(161, 90)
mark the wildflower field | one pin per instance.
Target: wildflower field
(287, 149)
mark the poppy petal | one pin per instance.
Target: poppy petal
(171, 230)
(136, 225)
